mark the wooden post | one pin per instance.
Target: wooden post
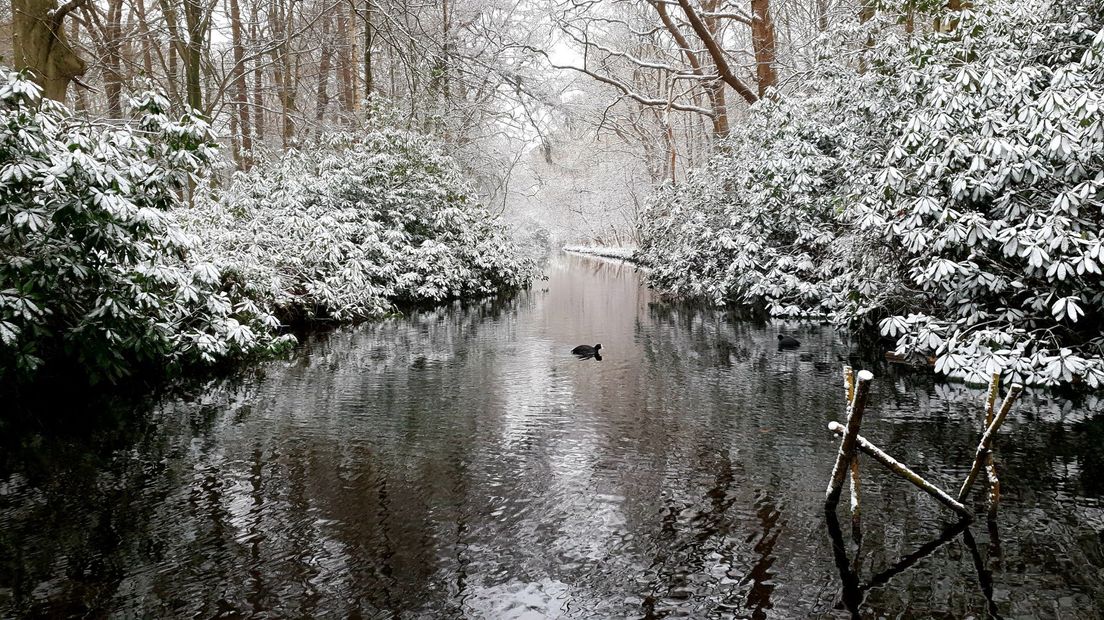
(856, 491)
(991, 399)
(849, 383)
(847, 446)
(980, 457)
(902, 470)
(990, 466)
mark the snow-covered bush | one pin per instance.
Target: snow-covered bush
(354, 225)
(988, 197)
(951, 195)
(94, 275)
(758, 226)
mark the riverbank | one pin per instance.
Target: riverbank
(627, 254)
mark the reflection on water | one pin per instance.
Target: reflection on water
(462, 463)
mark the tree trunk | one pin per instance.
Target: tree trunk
(763, 43)
(715, 90)
(368, 36)
(323, 98)
(79, 93)
(106, 35)
(446, 51)
(716, 52)
(258, 79)
(144, 32)
(822, 15)
(39, 44)
(280, 16)
(241, 90)
(344, 61)
(196, 22)
(176, 43)
(113, 78)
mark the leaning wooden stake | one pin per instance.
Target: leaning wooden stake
(847, 446)
(902, 470)
(981, 457)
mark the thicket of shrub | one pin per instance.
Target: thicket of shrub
(355, 225)
(94, 272)
(104, 272)
(950, 195)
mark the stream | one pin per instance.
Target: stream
(460, 462)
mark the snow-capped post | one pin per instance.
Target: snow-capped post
(981, 457)
(847, 446)
(856, 494)
(902, 470)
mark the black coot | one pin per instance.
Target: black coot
(586, 350)
(787, 342)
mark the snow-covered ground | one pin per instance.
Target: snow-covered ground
(622, 253)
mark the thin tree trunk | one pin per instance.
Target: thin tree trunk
(822, 15)
(345, 61)
(282, 69)
(446, 17)
(113, 79)
(241, 89)
(258, 77)
(323, 98)
(714, 90)
(195, 20)
(144, 33)
(176, 44)
(368, 42)
(106, 34)
(353, 52)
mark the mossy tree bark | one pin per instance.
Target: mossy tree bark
(40, 44)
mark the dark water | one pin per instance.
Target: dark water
(460, 463)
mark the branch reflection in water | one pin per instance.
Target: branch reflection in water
(854, 592)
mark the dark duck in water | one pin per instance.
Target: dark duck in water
(585, 351)
(787, 342)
